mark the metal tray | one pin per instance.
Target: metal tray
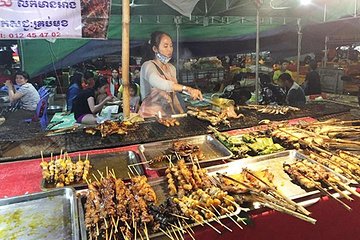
(160, 187)
(45, 215)
(274, 162)
(119, 161)
(212, 149)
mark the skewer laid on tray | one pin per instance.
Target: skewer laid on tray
(252, 186)
(62, 170)
(314, 176)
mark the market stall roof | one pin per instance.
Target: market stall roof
(212, 21)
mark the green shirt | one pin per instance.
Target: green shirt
(277, 74)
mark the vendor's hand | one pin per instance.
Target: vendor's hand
(108, 99)
(195, 93)
(8, 83)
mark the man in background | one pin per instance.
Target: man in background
(283, 69)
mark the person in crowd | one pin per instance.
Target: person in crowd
(158, 83)
(114, 83)
(136, 76)
(88, 80)
(283, 69)
(85, 107)
(5, 74)
(26, 96)
(312, 85)
(121, 88)
(295, 94)
(271, 93)
(134, 98)
(73, 90)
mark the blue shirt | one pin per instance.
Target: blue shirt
(72, 92)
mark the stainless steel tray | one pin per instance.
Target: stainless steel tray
(119, 161)
(274, 162)
(45, 215)
(160, 187)
(212, 149)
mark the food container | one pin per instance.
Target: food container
(119, 161)
(46, 215)
(212, 149)
(160, 187)
(274, 163)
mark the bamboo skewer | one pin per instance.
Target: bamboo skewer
(179, 216)
(228, 215)
(329, 161)
(141, 237)
(268, 202)
(324, 191)
(173, 231)
(188, 227)
(333, 186)
(215, 218)
(350, 154)
(146, 231)
(288, 200)
(140, 163)
(131, 171)
(349, 189)
(197, 221)
(216, 230)
(96, 179)
(290, 212)
(101, 174)
(344, 186)
(169, 236)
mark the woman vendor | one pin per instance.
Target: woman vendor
(84, 106)
(158, 83)
(26, 96)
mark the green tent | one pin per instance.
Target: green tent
(210, 20)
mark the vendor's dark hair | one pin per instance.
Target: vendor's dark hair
(134, 87)
(101, 81)
(155, 40)
(76, 78)
(286, 77)
(24, 74)
(88, 74)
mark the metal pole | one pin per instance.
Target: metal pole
(355, 8)
(257, 56)
(125, 56)
(325, 12)
(326, 51)
(299, 48)
(177, 50)
(22, 55)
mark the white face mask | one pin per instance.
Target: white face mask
(162, 58)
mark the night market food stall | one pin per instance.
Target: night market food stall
(205, 175)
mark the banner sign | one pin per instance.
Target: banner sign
(22, 19)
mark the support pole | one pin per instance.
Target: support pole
(22, 60)
(125, 56)
(355, 8)
(326, 51)
(177, 49)
(257, 56)
(299, 48)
